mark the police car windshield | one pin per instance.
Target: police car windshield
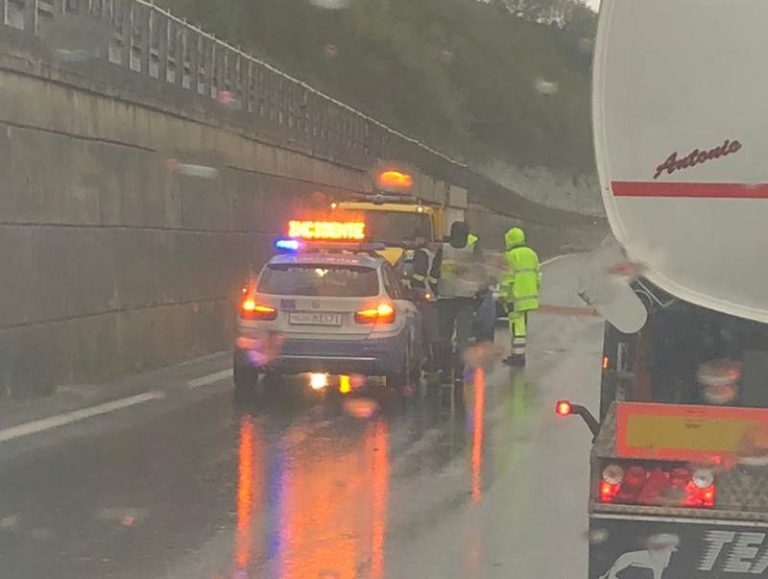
(319, 280)
(396, 226)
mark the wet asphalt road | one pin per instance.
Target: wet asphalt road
(486, 483)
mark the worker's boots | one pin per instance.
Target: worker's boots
(515, 361)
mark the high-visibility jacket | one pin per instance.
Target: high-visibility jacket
(461, 274)
(419, 269)
(520, 285)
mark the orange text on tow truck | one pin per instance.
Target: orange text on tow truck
(327, 230)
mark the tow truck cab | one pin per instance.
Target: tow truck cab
(394, 219)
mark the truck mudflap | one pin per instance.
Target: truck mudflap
(626, 547)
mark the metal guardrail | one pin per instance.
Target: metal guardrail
(150, 41)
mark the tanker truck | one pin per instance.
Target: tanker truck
(679, 463)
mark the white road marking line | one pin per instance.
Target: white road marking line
(209, 379)
(554, 259)
(36, 426)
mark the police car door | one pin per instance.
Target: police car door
(404, 306)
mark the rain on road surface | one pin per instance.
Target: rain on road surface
(184, 484)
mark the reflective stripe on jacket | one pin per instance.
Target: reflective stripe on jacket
(418, 268)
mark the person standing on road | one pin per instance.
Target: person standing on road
(419, 269)
(520, 289)
(461, 278)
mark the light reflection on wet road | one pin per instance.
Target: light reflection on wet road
(478, 483)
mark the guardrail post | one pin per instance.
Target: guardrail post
(193, 47)
(212, 77)
(161, 24)
(206, 61)
(225, 83)
(30, 16)
(245, 82)
(219, 70)
(270, 91)
(126, 33)
(257, 89)
(176, 43)
(142, 22)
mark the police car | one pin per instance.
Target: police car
(326, 306)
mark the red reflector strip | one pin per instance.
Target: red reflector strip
(690, 190)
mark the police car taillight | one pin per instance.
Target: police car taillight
(383, 313)
(657, 484)
(250, 310)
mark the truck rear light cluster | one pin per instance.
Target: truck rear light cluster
(383, 313)
(657, 483)
(250, 310)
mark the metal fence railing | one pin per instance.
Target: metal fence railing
(148, 40)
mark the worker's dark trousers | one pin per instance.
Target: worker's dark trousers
(455, 316)
(429, 332)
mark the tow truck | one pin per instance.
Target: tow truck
(392, 214)
(679, 463)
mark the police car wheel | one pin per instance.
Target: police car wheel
(399, 380)
(415, 369)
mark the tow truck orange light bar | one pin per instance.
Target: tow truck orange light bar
(393, 180)
(327, 230)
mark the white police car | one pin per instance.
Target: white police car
(327, 309)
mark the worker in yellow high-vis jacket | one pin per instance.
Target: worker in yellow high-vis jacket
(520, 290)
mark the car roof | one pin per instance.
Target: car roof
(325, 258)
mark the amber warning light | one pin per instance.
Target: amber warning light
(327, 230)
(394, 180)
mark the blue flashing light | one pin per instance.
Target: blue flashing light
(288, 244)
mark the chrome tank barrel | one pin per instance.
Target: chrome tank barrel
(679, 111)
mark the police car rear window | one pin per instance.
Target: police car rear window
(319, 280)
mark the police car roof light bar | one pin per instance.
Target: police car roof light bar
(289, 244)
(381, 198)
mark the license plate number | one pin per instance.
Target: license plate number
(314, 319)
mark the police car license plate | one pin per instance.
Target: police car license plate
(314, 319)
